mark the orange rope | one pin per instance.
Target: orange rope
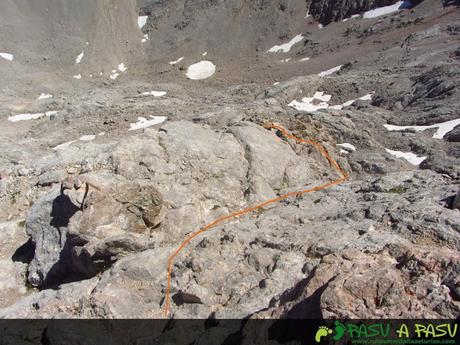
(318, 146)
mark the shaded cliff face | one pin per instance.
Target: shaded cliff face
(50, 34)
(233, 28)
(326, 11)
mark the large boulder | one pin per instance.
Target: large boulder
(82, 230)
(46, 224)
(113, 225)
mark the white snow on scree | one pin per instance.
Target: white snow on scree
(142, 122)
(381, 11)
(79, 58)
(154, 93)
(78, 76)
(82, 138)
(330, 71)
(352, 17)
(7, 56)
(412, 158)
(347, 146)
(443, 128)
(44, 96)
(320, 101)
(201, 70)
(122, 67)
(309, 104)
(26, 117)
(177, 61)
(367, 97)
(64, 145)
(286, 47)
(141, 21)
(87, 137)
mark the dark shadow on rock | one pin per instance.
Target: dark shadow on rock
(63, 209)
(451, 3)
(24, 253)
(449, 201)
(64, 272)
(309, 308)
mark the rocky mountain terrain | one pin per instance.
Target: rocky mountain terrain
(115, 151)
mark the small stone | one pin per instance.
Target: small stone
(399, 106)
(50, 177)
(23, 172)
(86, 166)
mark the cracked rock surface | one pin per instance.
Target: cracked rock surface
(91, 211)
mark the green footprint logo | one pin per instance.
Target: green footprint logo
(339, 331)
(323, 331)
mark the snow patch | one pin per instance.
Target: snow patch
(443, 128)
(347, 146)
(321, 101)
(44, 96)
(317, 102)
(330, 71)
(87, 137)
(7, 56)
(304, 59)
(320, 26)
(177, 61)
(79, 58)
(122, 67)
(26, 117)
(154, 93)
(78, 76)
(367, 97)
(381, 11)
(142, 122)
(146, 38)
(352, 17)
(412, 158)
(205, 53)
(286, 47)
(64, 145)
(201, 70)
(286, 60)
(141, 21)
(114, 76)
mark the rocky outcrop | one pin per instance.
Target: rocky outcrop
(83, 230)
(46, 224)
(382, 244)
(396, 281)
(326, 11)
